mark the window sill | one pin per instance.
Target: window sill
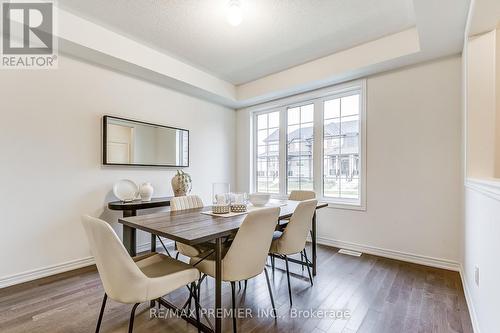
(344, 206)
(331, 203)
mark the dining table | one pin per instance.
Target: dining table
(195, 226)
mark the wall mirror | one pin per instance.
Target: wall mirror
(130, 142)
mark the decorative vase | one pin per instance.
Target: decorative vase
(181, 183)
(146, 191)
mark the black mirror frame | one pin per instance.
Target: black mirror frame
(104, 146)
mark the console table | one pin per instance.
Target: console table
(130, 209)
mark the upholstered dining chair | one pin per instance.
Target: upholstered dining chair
(183, 203)
(301, 195)
(245, 258)
(130, 281)
(293, 238)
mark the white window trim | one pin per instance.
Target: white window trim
(317, 97)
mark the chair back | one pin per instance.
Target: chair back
(293, 239)
(301, 195)
(123, 281)
(248, 252)
(186, 202)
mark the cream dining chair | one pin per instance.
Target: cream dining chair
(134, 281)
(246, 257)
(293, 238)
(301, 195)
(183, 203)
(297, 195)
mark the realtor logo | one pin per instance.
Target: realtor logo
(28, 35)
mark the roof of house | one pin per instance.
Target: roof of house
(348, 127)
(350, 133)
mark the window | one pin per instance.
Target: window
(268, 140)
(341, 147)
(299, 140)
(313, 142)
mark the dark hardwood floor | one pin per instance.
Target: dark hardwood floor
(378, 294)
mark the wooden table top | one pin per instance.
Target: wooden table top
(191, 227)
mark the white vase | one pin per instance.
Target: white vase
(146, 191)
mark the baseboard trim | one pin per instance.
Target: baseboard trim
(468, 300)
(392, 254)
(39, 273)
(11, 280)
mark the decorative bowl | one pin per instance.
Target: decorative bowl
(238, 208)
(259, 199)
(221, 209)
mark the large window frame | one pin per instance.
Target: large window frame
(317, 98)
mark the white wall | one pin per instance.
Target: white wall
(50, 155)
(481, 249)
(413, 166)
(481, 105)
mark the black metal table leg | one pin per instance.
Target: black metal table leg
(313, 239)
(184, 315)
(153, 243)
(218, 285)
(129, 234)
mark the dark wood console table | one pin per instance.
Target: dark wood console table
(130, 209)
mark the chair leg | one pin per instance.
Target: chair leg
(103, 305)
(272, 263)
(233, 287)
(132, 317)
(197, 301)
(270, 291)
(302, 259)
(187, 305)
(177, 256)
(246, 284)
(194, 290)
(164, 247)
(308, 268)
(199, 286)
(239, 285)
(288, 279)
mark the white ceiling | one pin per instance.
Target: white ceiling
(274, 35)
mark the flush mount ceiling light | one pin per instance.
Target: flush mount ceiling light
(234, 13)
